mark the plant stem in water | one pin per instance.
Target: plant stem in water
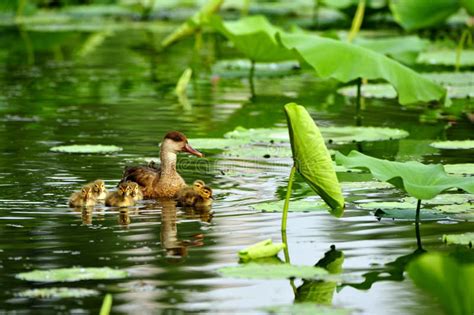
(358, 115)
(287, 199)
(466, 37)
(417, 224)
(357, 21)
(251, 75)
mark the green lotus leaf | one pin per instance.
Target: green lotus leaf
(312, 158)
(416, 14)
(418, 180)
(273, 271)
(346, 62)
(450, 282)
(468, 5)
(217, 143)
(446, 58)
(460, 169)
(388, 205)
(451, 78)
(307, 309)
(461, 239)
(86, 148)
(454, 145)
(194, 23)
(392, 45)
(259, 152)
(447, 199)
(239, 68)
(259, 134)
(456, 208)
(254, 36)
(261, 249)
(409, 214)
(57, 293)
(295, 206)
(72, 274)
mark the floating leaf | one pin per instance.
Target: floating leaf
(451, 78)
(461, 239)
(346, 62)
(295, 206)
(239, 68)
(418, 180)
(365, 185)
(307, 309)
(217, 143)
(456, 208)
(460, 169)
(57, 293)
(259, 152)
(388, 205)
(254, 36)
(454, 145)
(409, 214)
(312, 159)
(416, 14)
(72, 274)
(340, 135)
(280, 271)
(450, 282)
(86, 148)
(446, 58)
(261, 249)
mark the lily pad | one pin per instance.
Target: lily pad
(57, 293)
(295, 206)
(239, 68)
(261, 249)
(307, 309)
(454, 145)
(217, 143)
(409, 214)
(388, 205)
(86, 148)
(365, 185)
(460, 169)
(72, 274)
(461, 239)
(259, 134)
(462, 208)
(446, 58)
(451, 78)
(280, 271)
(259, 151)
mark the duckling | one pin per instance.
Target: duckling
(205, 198)
(122, 197)
(187, 196)
(83, 198)
(98, 189)
(136, 191)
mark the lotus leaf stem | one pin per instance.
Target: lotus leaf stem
(466, 37)
(357, 21)
(358, 116)
(417, 224)
(251, 75)
(287, 199)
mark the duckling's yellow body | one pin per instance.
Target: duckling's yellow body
(205, 198)
(199, 195)
(136, 191)
(122, 197)
(83, 198)
(98, 189)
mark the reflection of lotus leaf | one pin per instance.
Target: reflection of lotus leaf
(461, 239)
(54, 293)
(86, 148)
(72, 274)
(446, 58)
(454, 145)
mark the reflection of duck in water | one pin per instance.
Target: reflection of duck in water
(83, 198)
(162, 182)
(122, 197)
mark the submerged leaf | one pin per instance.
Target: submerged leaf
(280, 271)
(72, 274)
(450, 282)
(418, 180)
(454, 145)
(312, 159)
(57, 293)
(346, 62)
(461, 239)
(86, 148)
(261, 249)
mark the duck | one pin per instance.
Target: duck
(187, 195)
(83, 198)
(163, 181)
(205, 198)
(136, 191)
(122, 197)
(98, 189)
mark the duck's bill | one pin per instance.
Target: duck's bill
(193, 151)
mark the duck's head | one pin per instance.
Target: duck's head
(98, 186)
(175, 141)
(206, 192)
(86, 192)
(124, 189)
(198, 185)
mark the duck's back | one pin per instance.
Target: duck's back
(145, 176)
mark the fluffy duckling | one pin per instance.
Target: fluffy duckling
(98, 189)
(122, 197)
(136, 191)
(83, 198)
(205, 197)
(188, 195)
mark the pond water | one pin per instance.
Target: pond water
(121, 93)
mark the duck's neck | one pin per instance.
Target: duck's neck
(168, 162)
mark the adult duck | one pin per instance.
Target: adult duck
(163, 181)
